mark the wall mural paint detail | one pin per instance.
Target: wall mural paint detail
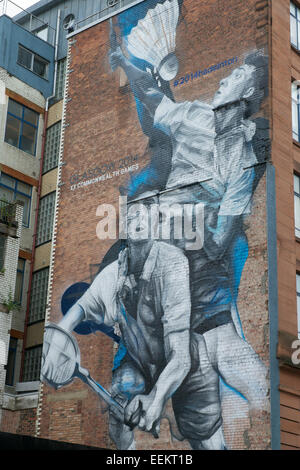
(181, 337)
(201, 73)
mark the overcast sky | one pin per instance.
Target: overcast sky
(14, 10)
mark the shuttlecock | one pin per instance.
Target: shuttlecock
(154, 38)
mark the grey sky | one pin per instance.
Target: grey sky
(15, 6)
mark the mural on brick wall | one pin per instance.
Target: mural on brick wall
(171, 282)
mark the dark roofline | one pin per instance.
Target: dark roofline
(36, 9)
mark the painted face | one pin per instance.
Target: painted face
(239, 84)
(137, 222)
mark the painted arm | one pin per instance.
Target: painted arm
(73, 317)
(152, 405)
(216, 244)
(90, 306)
(142, 83)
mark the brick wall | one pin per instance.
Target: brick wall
(286, 158)
(101, 126)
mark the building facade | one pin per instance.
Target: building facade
(167, 226)
(153, 116)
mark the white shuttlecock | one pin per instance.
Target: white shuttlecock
(154, 38)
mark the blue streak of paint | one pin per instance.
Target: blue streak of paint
(233, 389)
(121, 353)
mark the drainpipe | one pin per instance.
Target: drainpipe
(39, 193)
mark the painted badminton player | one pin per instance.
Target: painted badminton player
(207, 150)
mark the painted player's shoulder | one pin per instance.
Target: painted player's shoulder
(110, 271)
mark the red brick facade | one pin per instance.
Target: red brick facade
(102, 127)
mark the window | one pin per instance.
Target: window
(298, 302)
(12, 190)
(297, 204)
(20, 280)
(295, 25)
(21, 127)
(60, 79)
(2, 251)
(45, 219)
(52, 147)
(11, 361)
(295, 110)
(32, 364)
(38, 299)
(42, 33)
(32, 62)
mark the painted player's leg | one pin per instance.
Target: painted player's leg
(126, 383)
(197, 404)
(239, 365)
(122, 435)
(215, 442)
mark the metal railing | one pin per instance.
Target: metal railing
(111, 6)
(33, 24)
(7, 212)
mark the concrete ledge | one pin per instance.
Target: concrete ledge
(27, 386)
(20, 402)
(61, 396)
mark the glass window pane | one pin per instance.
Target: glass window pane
(31, 116)
(12, 194)
(19, 287)
(297, 184)
(8, 181)
(13, 131)
(38, 297)
(24, 188)
(32, 364)
(45, 219)
(294, 92)
(21, 131)
(6, 194)
(295, 122)
(28, 139)
(40, 66)
(25, 57)
(298, 31)
(295, 119)
(52, 147)
(15, 108)
(21, 264)
(293, 28)
(292, 8)
(10, 368)
(26, 209)
(298, 283)
(43, 33)
(60, 81)
(297, 212)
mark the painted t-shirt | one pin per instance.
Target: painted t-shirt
(163, 304)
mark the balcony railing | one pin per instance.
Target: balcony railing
(34, 24)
